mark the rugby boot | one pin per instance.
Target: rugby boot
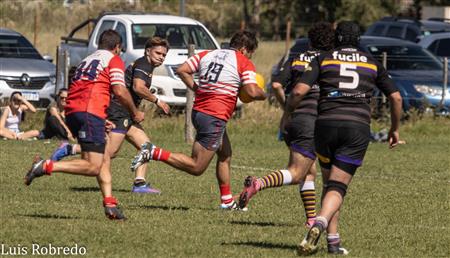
(36, 170)
(63, 150)
(310, 242)
(144, 155)
(251, 187)
(112, 212)
(336, 249)
(145, 188)
(232, 206)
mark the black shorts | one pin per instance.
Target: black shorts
(89, 130)
(120, 117)
(300, 134)
(341, 143)
(210, 130)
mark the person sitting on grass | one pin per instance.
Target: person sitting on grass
(12, 116)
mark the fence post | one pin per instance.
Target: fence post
(188, 127)
(288, 37)
(444, 87)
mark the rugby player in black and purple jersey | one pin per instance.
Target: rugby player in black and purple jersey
(299, 133)
(347, 78)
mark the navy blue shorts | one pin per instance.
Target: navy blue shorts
(341, 143)
(89, 130)
(300, 134)
(210, 130)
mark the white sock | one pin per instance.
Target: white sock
(307, 185)
(287, 177)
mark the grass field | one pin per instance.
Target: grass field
(397, 205)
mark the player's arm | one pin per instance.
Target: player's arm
(186, 75)
(116, 74)
(3, 118)
(142, 91)
(254, 91)
(387, 86)
(5, 132)
(303, 85)
(279, 80)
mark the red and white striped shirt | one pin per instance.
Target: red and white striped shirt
(221, 73)
(90, 90)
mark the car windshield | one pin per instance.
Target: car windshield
(17, 47)
(406, 57)
(179, 36)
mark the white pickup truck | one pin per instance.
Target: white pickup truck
(135, 29)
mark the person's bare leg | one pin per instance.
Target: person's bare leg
(137, 137)
(223, 174)
(89, 165)
(104, 179)
(28, 135)
(194, 165)
(8, 134)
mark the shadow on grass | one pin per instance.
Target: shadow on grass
(48, 216)
(265, 245)
(261, 224)
(159, 207)
(94, 189)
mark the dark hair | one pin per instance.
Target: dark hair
(157, 41)
(245, 39)
(321, 36)
(61, 91)
(347, 34)
(109, 39)
(14, 93)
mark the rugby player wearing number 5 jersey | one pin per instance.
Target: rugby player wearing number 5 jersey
(222, 73)
(347, 78)
(88, 98)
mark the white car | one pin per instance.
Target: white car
(23, 69)
(135, 29)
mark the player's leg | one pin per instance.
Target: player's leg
(308, 195)
(137, 136)
(224, 154)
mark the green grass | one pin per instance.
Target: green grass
(397, 204)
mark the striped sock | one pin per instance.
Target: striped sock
(225, 194)
(333, 239)
(160, 154)
(308, 195)
(275, 179)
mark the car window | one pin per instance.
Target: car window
(120, 28)
(17, 47)
(106, 25)
(395, 31)
(433, 46)
(378, 30)
(443, 47)
(406, 57)
(179, 36)
(411, 35)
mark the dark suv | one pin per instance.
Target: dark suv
(405, 28)
(417, 73)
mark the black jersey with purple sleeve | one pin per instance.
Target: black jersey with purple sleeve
(291, 71)
(347, 78)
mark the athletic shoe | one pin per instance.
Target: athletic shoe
(114, 213)
(146, 188)
(144, 155)
(36, 170)
(232, 206)
(251, 186)
(310, 222)
(61, 152)
(309, 243)
(337, 249)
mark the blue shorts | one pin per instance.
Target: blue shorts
(210, 130)
(89, 130)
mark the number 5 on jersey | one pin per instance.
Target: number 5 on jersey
(348, 70)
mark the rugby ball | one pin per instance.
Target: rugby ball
(244, 97)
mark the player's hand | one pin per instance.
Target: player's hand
(163, 105)
(138, 116)
(109, 126)
(393, 139)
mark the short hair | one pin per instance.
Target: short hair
(109, 39)
(157, 41)
(347, 34)
(245, 39)
(321, 36)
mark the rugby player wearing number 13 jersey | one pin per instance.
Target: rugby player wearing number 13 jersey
(222, 74)
(88, 98)
(347, 78)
